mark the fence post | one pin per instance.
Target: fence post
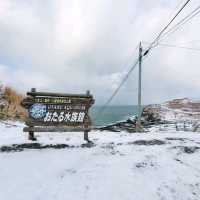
(86, 138)
(31, 133)
(176, 126)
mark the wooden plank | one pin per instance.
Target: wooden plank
(70, 101)
(29, 122)
(56, 129)
(51, 94)
(63, 100)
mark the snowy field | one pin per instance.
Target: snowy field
(119, 166)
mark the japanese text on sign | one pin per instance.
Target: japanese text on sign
(64, 117)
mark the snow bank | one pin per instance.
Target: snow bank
(119, 166)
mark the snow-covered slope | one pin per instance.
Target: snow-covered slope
(139, 166)
(181, 110)
(184, 113)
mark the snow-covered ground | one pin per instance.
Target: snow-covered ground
(119, 166)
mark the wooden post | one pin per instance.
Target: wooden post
(88, 92)
(140, 86)
(31, 136)
(138, 123)
(31, 133)
(176, 126)
(86, 138)
(184, 125)
(33, 89)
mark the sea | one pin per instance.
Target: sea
(112, 114)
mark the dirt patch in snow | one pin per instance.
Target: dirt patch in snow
(144, 164)
(176, 139)
(22, 147)
(147, 142)
(187, 149)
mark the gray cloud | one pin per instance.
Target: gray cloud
(72, 46)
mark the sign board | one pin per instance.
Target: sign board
(54, 112)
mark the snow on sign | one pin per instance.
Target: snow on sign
(54, 112)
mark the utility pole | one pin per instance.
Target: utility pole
(139, 89)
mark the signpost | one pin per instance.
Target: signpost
(54, 112)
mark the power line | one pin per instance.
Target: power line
(176, 46)
(119, 87)
(164, 29)
(191, 15)
(122, 82)
(181, 23)
(144, 54)
(181, 47)
(177, 6)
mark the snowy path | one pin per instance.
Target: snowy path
(118, 167)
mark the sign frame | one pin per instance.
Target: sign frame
(62, 112)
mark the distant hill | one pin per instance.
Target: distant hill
(184, 109)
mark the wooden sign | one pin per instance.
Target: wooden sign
(54, 112)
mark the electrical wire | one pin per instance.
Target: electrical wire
(165, 28)
(101, 110)
(153, 44)
(119, 87)
(175, 45)
(143, 55)
(191, 15)
(181, 47)
(177, 6)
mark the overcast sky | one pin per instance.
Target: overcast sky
(75, 45)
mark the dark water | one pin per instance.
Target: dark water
(111, 114)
